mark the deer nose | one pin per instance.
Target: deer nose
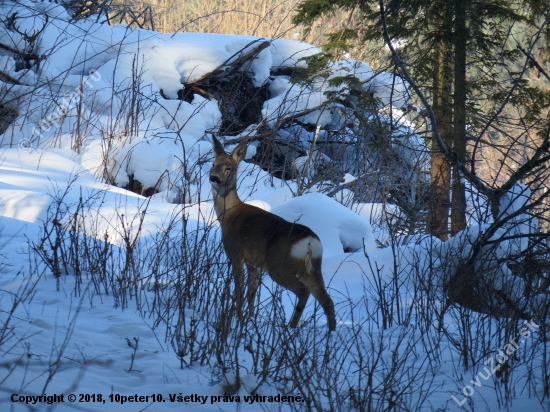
(215, 179)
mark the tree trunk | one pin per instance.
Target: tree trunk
(440, 169)
(460, 37)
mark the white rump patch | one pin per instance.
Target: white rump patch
(304, 246)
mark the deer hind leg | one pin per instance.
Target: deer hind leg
(312, 277)
(254, 279)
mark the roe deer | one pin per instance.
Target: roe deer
(289, 252)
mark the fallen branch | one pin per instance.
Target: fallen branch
(6, 78)
(273, 131)
(233, 65)
(11, 49)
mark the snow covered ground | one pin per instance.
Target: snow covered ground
(80, 336)
(134, 319)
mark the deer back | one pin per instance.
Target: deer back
(262, 239)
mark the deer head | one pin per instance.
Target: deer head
(223, 175)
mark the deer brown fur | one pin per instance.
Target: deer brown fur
(289, 252)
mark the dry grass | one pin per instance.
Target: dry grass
(264, 18)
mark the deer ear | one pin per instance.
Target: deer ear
(239, 152)
(218, 148)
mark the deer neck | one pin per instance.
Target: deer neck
(226, 200)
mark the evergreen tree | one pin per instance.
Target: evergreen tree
(462, 53)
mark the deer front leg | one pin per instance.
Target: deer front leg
(237, 271)
(254, 279)
(303, 295)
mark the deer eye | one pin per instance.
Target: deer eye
(228, 169)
